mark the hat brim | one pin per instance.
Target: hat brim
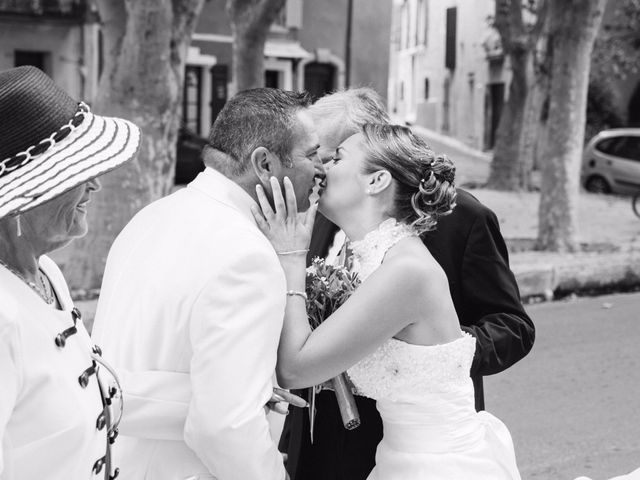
(98, 145)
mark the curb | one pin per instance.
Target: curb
(564, 273)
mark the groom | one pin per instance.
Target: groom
(193, 288)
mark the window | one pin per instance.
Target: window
(450, 40)
(281, 18)
(624, 147)
(426, 89)
(396, 29)
(289, 16)
(422, 23)
(404, 25)
(35, 59)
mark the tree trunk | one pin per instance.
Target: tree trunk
(533, 126)
(145, 48)
(574, 25)
(513, 152)
(505, 169)
(529, 134)
(250, 23)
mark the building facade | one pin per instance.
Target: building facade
(61, 37)
(318, 46)
(448, 72)
(349, 45)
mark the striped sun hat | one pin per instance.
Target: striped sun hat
(50, 143)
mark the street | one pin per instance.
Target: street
(573, 404)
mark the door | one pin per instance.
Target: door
(319, 79)
(494, 101)
(219, 81)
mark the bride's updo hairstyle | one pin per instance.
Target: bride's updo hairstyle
(424, 182)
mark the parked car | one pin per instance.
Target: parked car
(189, 156)
(611, 162)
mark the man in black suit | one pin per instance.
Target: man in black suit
(470, 248)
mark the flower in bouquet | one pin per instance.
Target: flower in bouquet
(327, 288)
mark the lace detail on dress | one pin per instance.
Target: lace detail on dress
(400, 370)
(369, 252)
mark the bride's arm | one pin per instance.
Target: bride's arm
(381, 307)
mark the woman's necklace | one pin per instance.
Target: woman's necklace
(43, 291)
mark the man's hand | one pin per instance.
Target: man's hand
(280, 400)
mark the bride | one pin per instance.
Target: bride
(398, 335)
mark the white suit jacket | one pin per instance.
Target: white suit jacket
(193, 293)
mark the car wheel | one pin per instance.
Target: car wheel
(597, 184)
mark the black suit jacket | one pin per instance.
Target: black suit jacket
(470, 248)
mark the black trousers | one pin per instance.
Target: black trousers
(336, 453)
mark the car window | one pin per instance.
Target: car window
(625, 147)
(608, 145)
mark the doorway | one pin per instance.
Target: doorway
(494, 101)
(319, 79)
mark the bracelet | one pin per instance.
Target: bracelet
(292, 293)
(294, 252)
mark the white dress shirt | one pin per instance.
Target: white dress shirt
(193, 290)
(48, 424)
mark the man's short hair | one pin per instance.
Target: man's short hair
(259, 117)
(351, 109)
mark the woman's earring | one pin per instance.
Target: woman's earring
(19, 226)
(368, 191)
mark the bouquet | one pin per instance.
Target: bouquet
(327, 288)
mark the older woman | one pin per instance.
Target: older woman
(55, 414)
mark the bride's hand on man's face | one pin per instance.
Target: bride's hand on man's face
(286, 229)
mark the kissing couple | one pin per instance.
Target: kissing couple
(206, 288)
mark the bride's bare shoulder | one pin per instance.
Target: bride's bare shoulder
(412, 263)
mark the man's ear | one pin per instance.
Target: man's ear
(265, 164)
(378, 182)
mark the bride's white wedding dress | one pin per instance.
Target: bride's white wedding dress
(425, 398)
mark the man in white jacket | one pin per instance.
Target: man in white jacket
(193, 291)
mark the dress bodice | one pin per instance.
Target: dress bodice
(397, 369)
(401, 371)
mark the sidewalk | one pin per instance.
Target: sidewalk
(607, 225)
(609, 235)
